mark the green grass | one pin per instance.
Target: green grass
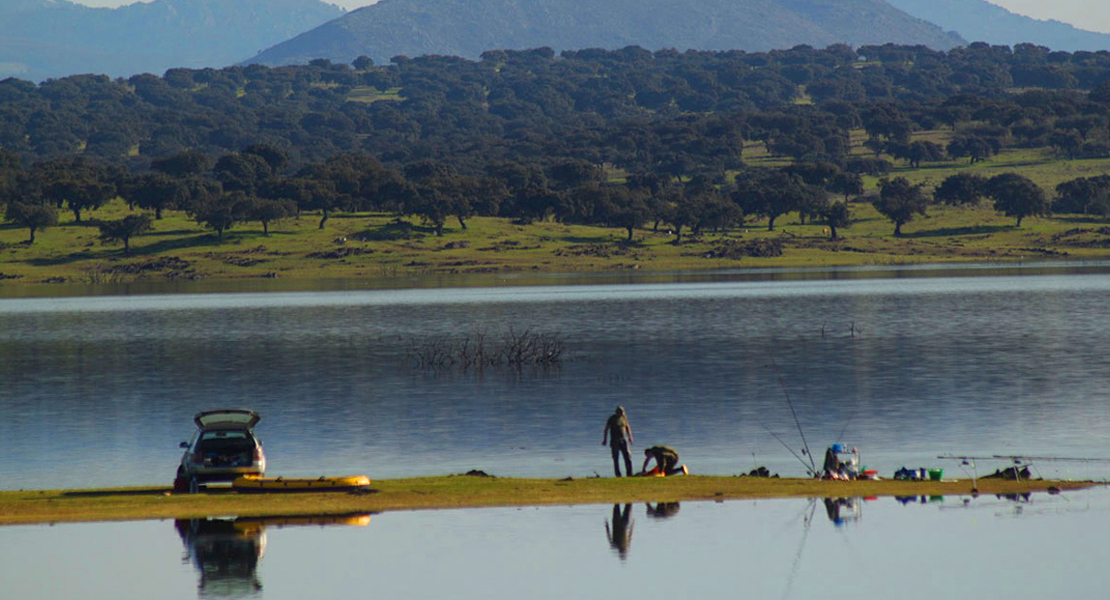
(369, 94)
(459, 491)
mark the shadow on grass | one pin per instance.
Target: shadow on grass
(196, 241)
(398, 230)
(160, 232)
(600, 239)
(207, 490)
(958, 231)
(71, 258)
(1084, 219)
(111, 252)
(932, 166)
(103, 493)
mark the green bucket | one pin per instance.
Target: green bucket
(936, 474)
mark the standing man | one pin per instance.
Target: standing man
(619, 435)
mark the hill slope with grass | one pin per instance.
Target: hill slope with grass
(382, 248)
(468, 28)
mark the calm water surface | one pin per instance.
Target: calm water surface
(99, 390)
(904, 365)
(1037, 547)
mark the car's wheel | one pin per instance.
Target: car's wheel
(194, 485)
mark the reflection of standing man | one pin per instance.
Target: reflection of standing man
(620, 535)
(619, 434)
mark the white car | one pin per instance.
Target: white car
(222, 449)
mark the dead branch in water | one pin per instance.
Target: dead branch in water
(479, 350)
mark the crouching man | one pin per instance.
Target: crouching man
(666, 461)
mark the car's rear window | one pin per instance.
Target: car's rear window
(225, 440)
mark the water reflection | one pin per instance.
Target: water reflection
(226, 552)
(766, 548)
(662, 510)
(618, 529)
(843, 510)
(904, 500)
(620, 532)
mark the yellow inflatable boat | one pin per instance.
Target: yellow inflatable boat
(255, 484)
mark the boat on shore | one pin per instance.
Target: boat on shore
(251, 484)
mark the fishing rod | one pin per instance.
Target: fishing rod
(801, 548)
(1016, 459)
(967, 461)
(855, 409)
(790, 403)
(808, 468)
(1019, 458)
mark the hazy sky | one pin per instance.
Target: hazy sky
(1086, 14)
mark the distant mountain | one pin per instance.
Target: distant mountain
(467, 28)
(54, 38)
(981, 21)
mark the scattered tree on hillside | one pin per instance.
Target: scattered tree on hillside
(1017, 196)
(155, 191)
(886, 121)
(124, 229)
(625, 209)
(837, 215)
(243, 172)
(1085, 195)
(222, 212)
(961, 189)
(80, 194)
(187, 163)
(266, 211)
(846, 184)
(1067, 143)
(916, 152)
(35, 217)
(899, 201)
(975, 148)
(772, 193)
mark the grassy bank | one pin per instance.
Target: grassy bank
(24, 507)
(360, 247)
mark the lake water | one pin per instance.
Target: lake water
(904, 365)
(1025, 548)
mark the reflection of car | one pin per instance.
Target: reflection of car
(225, 553)
(223, 448)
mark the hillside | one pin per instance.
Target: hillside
(468, 28)
(42, 39)
(525, 161)
(981, 21)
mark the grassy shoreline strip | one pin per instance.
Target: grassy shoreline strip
(460, 491)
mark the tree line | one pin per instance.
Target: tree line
(529, 135)
(629, 107)
(253, 186)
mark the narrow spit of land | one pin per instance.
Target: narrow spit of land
(462, 491)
